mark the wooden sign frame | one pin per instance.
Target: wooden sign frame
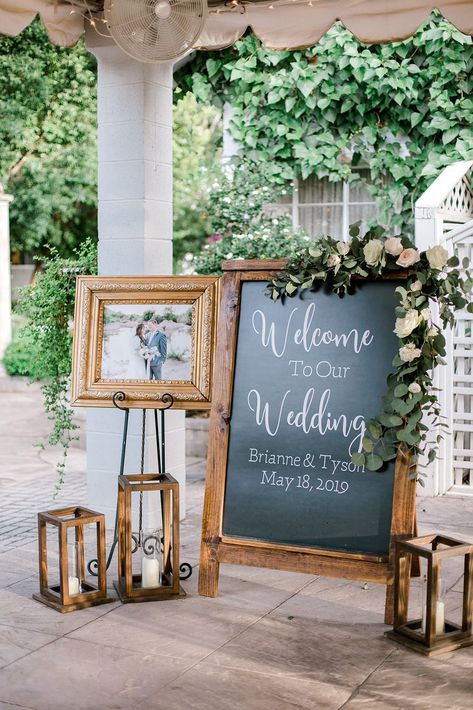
(216, 548)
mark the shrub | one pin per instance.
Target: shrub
(242, 223)
(19, 357)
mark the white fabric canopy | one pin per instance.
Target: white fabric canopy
(281, 24)
(291, 25)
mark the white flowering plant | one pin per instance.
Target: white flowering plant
(431, 278)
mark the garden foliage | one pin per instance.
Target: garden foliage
(244, 226)
(402, 108)
(49, 306)
(48, 140)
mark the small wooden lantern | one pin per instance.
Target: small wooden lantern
(73, 591)
(432, 634)
(159, 550)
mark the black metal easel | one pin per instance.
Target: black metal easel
(167, 399)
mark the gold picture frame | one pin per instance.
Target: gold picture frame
(109, 310)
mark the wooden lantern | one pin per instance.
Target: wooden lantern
(73, 591)
(432, 634)
(159, 550)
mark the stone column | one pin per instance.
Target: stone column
(5, 279)
(135, 237)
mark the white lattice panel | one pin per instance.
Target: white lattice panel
(458, 205)
(462, 385)
(444, 215)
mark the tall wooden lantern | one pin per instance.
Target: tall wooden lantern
(73, 591)
(148, 560)
(432, 634)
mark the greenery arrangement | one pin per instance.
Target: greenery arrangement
(197, 135)
(432, 277)
(48, 140)
(402, 108)
(49, 307)
(245, 226)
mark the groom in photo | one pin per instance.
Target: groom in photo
(157, 342)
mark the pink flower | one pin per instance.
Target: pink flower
(215, 238)
(408, 257)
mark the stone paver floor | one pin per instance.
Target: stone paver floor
(270, 641)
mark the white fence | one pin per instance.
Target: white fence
(444, 215)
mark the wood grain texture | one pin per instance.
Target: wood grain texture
(403, 524)
(219, 433)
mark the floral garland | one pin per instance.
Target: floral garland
(432, 278)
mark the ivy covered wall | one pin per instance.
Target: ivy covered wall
(404, 109)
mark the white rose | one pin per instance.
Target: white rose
(416, 286)
(333, 260)
(426, 314)
(405, 326)
(343, 248)
(409, 352)
(415, 388)
(408, 257)
(433, 332)
(373, 251)
(437, 257)
(393, 246)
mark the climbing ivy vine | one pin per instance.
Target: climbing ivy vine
(402, 108)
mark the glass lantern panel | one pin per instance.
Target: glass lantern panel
(82, 551)
(52, 549)
(452, 587)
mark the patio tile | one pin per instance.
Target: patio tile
(22, 612)
(324, 653)
(181, 628)
(74, 674)
(210, 687)
(408, 680)
(15, 643)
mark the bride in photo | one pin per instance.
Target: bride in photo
(138, 365)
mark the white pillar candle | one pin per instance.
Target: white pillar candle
(74, 585)
(149, 572)
(440, 618)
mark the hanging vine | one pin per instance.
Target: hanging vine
(49, 307)
(403, 108)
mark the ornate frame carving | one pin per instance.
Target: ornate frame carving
(95, 292)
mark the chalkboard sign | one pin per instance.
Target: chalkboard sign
(301, 380)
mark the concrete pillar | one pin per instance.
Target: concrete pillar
(135, 237)
(5, 279)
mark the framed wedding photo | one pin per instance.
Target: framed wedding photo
(144, 336)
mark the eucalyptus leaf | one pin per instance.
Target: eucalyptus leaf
(401, 390)
(374, 462)
(358, 459)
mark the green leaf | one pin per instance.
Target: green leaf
(290, 288)
(375, 430)
(395, 421)
(367, 444)
(374, 462)
(401, 390)
(358, 459)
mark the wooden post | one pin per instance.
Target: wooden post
(219, 428)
